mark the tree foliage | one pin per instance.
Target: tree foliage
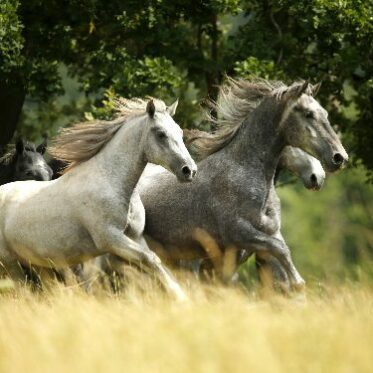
(11, 40)
(184, 48)
(328, 41)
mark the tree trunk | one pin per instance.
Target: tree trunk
(212, 76)
(12, 98)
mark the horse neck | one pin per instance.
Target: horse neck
(259, 141)
(122, 160)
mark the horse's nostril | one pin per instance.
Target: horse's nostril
(186, 171)
(338, 159)
(313, 179)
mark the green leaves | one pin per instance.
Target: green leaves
(253, 67)
(172, 48)
(318, 40)
(11, 40)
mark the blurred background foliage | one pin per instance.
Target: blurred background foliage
(62, 61)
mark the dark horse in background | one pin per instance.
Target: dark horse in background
(25, 162)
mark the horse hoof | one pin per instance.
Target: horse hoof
(299, 285)
(299, 299)
(283, 287)
(181, 297)
(179, 294)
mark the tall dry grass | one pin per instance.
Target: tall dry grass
(219, 330)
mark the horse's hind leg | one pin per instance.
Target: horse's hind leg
(13, 271)
(244, 235)
(9, 265)
(118, 244)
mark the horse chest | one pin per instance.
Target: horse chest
(135, 221)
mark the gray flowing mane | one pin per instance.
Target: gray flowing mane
(236, 100)
(80, 142)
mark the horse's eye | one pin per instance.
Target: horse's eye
(161, 135)
(309, 115)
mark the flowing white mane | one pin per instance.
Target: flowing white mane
(82, 141)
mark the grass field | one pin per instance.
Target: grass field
(219, 330)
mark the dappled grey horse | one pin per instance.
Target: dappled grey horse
(82, 214)
(24, 162)
(228, 200)
(304, 166)
(310, 171)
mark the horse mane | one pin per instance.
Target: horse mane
(80, 142)
(236, 100)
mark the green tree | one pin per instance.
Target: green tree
(12, 91)
(323, 40)
(133, 48)
(184, 48)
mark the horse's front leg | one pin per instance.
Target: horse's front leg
(271, 272)
(115, 242)
(245, 236)
(168, 279)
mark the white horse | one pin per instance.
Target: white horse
(83, 213)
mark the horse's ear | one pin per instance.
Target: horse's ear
(20, 146)
(303, 88)
(150, 108)
(315, 89)
(172, 108)
(42, 147)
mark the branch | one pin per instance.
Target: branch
(279, 32)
